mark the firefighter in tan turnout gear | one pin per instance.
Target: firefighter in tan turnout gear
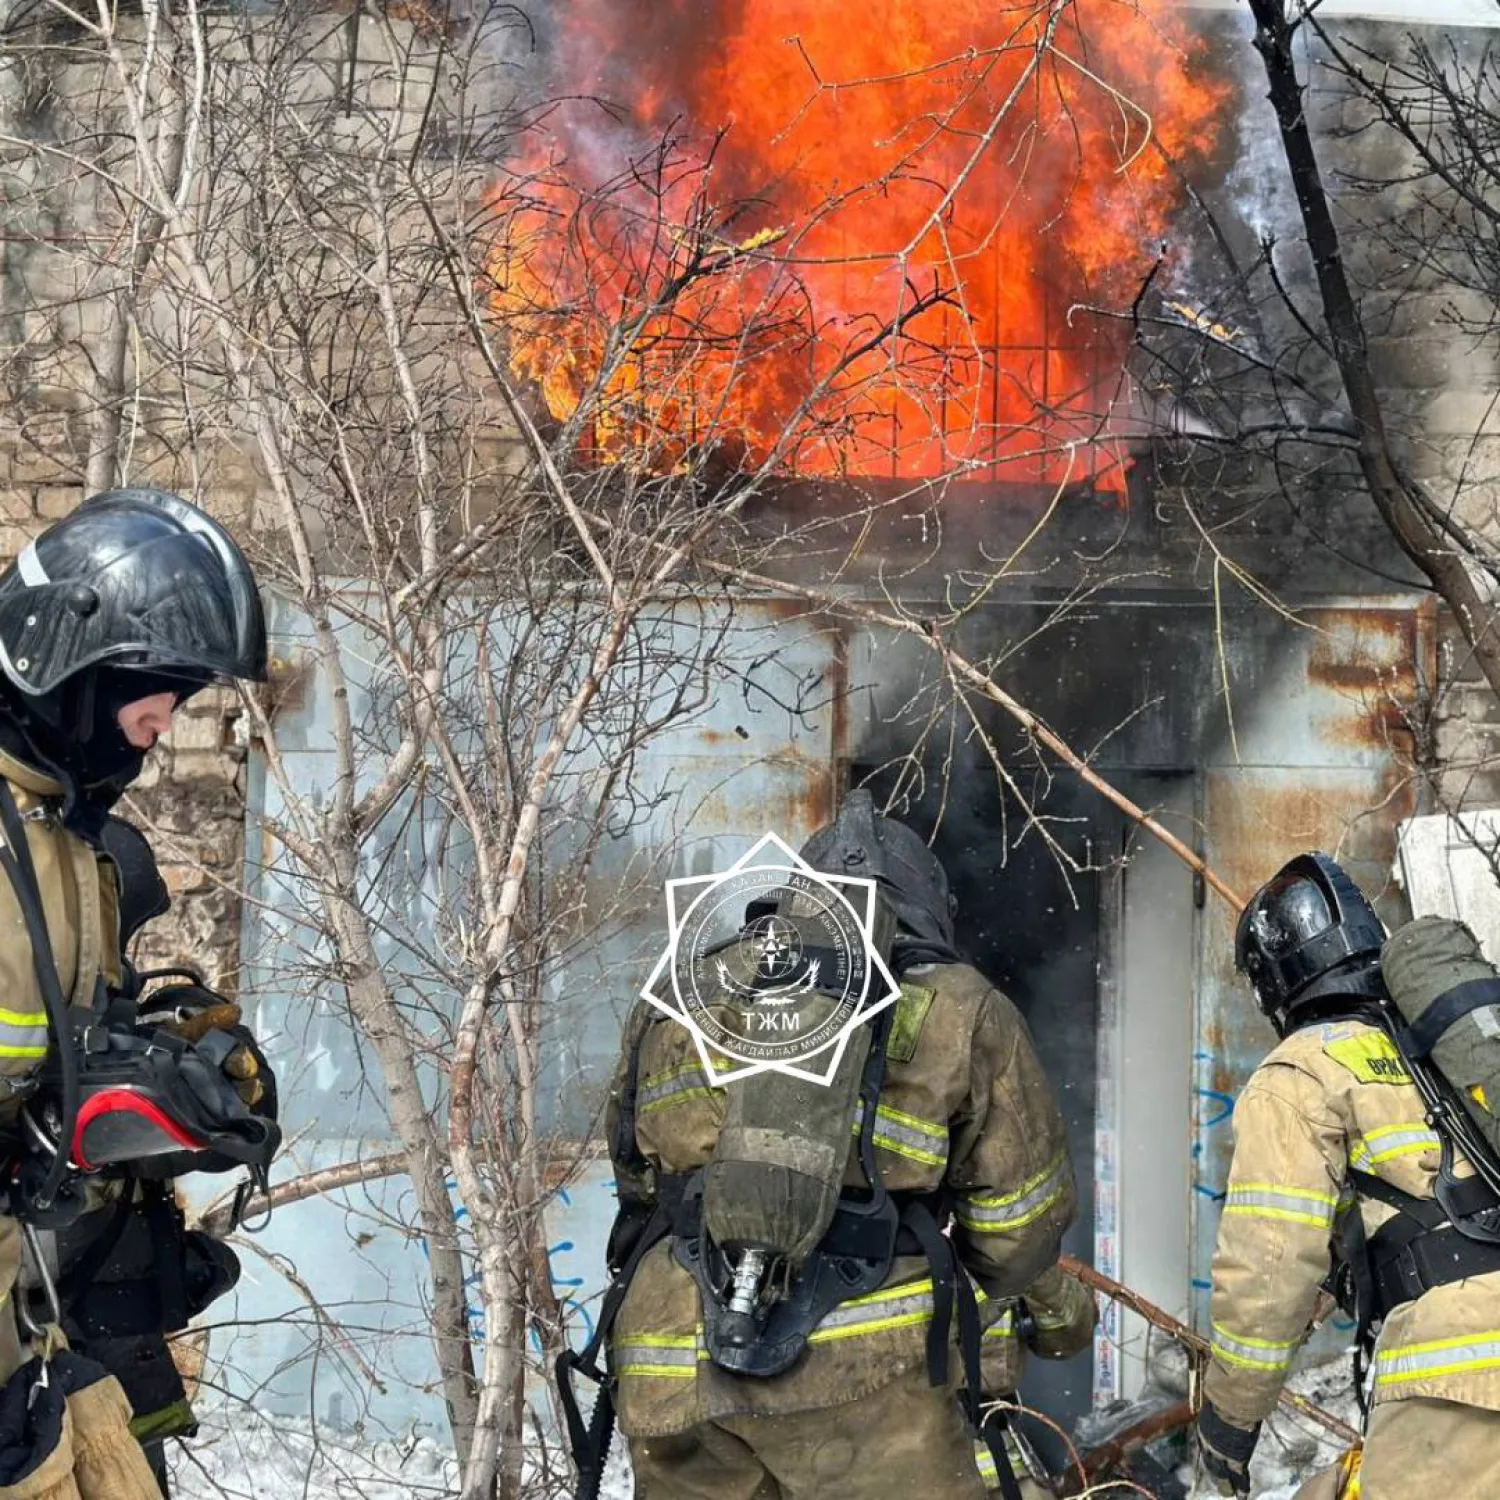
(1337, 1167)
(108, 621)
(837, 1374)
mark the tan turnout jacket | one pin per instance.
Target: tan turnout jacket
(1331, 1096)
(82, 910)
(965, 1103)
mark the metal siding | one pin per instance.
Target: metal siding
(1313, 716)
(755, 756)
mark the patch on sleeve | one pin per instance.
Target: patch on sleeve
(911, 1013)
(1371, 1057)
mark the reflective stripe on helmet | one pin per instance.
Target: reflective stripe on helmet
(1269, 1200)
(29, 566)
(1252, 1353)
(1000, 1213)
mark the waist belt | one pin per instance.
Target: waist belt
(850, 1234)
(1419, 1249)
(1431, 1258)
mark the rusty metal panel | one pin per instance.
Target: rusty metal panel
(753, 754)
(1255, 820)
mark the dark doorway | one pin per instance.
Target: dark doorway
(1032, 927)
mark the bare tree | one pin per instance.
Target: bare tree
(511, 470)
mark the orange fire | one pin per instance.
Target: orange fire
(876, 240)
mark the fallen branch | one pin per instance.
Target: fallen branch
(215, 1218)
(1100, 1463)
(1196, 1343)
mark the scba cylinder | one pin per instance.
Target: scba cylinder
(1448, 992)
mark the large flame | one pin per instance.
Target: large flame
(897, 239)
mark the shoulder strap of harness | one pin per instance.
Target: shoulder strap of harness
(15, 857)
(624, 1149)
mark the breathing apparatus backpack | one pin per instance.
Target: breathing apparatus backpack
(767, 1228)
(1442, 1014)
(118, 1096)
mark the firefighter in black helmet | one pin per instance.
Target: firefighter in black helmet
(935, 1189)
(1336, 1160)
(109, 622)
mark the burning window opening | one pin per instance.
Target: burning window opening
(875, 268)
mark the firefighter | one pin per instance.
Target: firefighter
(1334, 1165)
(109, 621)
(965, 1148)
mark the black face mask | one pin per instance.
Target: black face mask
(77, 738)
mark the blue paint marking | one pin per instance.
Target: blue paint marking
(1200, 1285)
(1214, 1195)
(1225, 1101)
(583, 1312)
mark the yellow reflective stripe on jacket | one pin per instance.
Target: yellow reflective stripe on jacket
(23, 1033)
(875, 1312)
(984, 1460)
(1252, 1353)
(1269, 1200)
(676, 1356)
(901, 1134)
(675, 1086)
(999, 1213)
(671, 1356)
(1392, 1141)
(1463, 1355)
(1004, 1327)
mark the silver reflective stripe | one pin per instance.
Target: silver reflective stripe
(891, 1307)
(672, 1356)
(1463, 1355)
(29, 566)
(916, 1139)
(986, 1463)
(1004, 1327)
(999, 1213)
(1266, 1200)
(1252, 1353)
(1394, 1140)
(687, 1081)
(23, 1033)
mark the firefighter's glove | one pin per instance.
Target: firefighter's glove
(192, 1021)
(1058, 1316)
(1225, 1451)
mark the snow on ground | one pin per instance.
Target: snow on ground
(1292, 1449)
(241, 1454)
